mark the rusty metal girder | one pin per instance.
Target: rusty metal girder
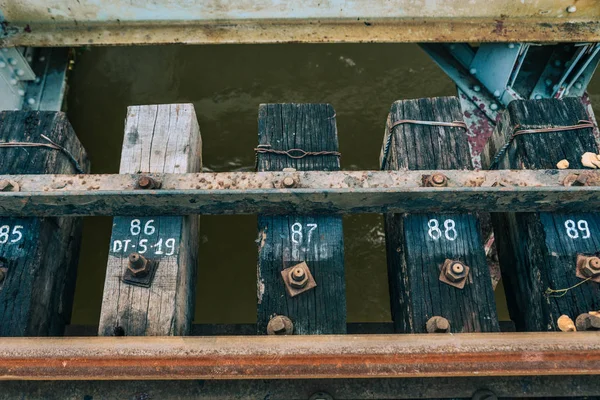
(315, 192)
(304, 357)
(90, 22)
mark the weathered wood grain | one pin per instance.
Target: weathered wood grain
(158, 138)
(535, 251)
(416, 250)
(321, 310)
(40, 254)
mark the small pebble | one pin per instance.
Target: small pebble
(590, 160)
(565, 324)
(562, 164)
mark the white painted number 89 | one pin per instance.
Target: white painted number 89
(582, 225)
(449, 229)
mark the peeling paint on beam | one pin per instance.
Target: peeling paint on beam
(305, 357)
(102, 22)
(371, 30)
(315, 192)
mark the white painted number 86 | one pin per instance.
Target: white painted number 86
(136, 227)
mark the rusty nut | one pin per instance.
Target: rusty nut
(280, 325)
(298, 277)
(591, 267)
(455, 271)
(138, 265)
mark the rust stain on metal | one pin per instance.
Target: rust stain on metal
(9, 186)
(585, 178)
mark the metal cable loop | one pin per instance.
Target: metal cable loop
(581, 124)
(51, 145)
(386, 148)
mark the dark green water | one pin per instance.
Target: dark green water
(226, 83)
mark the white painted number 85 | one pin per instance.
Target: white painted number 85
(5, 232)
(449, 229)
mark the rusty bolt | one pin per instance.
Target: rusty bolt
(436, 180)
(298, 278)
(438, 325)
(590, 268)
(146, 182)
(484, 394)
(280, 325)
(288, 182)
(455, 271)
(587, 322)
(439, 180)
(138, 265)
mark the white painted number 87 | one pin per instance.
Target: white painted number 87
(449, 229)
(297, 234)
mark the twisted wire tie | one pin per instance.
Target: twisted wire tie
(386, 149)
(51, 145)
(299, 153)
(550, 292)
(581, 124)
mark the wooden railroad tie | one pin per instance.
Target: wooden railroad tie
(539, 251)
(151, 271)
(38, 256)
(438, 275)
(308, 249)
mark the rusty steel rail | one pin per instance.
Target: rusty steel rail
(310, 192)
(301, 357)
(89, 22)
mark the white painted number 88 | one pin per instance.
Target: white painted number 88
(449, 229)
